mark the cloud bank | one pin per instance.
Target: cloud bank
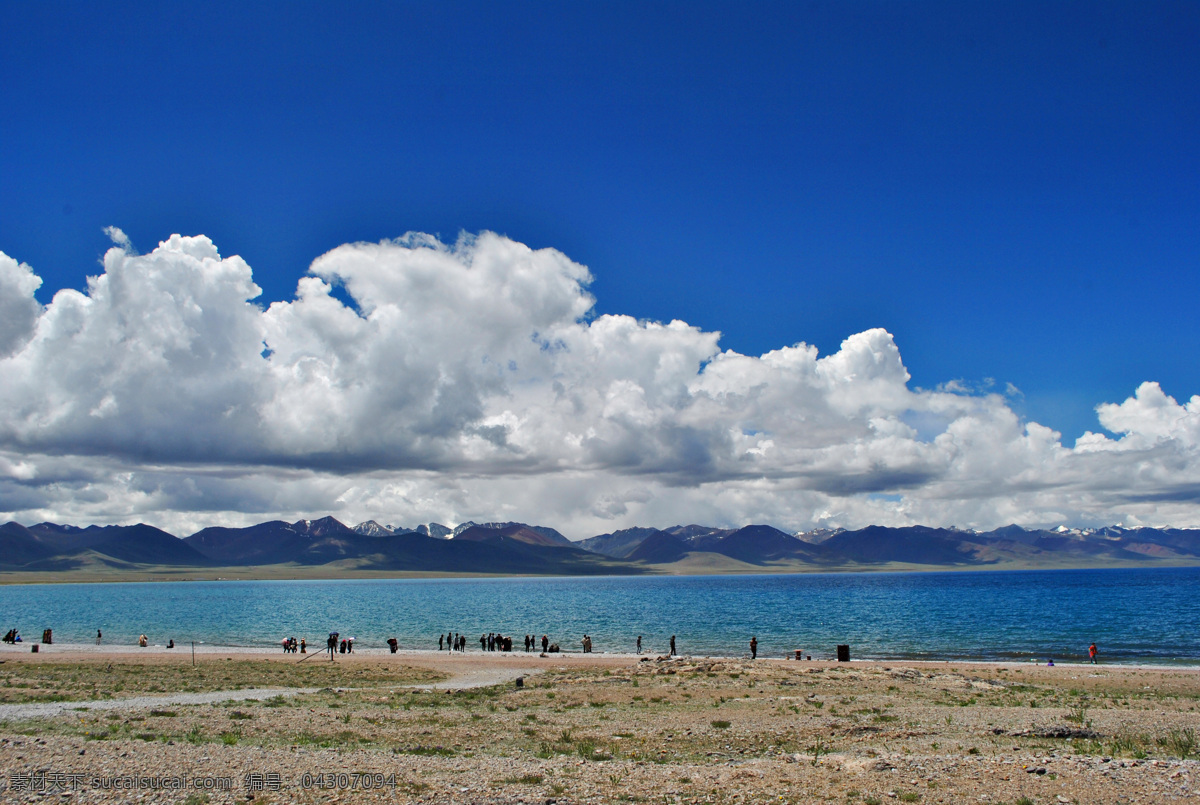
(412, 380)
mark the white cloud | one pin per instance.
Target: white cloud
(19, 310)
(1150, 417)
(118, 236)
(473, 381)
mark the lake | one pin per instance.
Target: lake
(1133, 615)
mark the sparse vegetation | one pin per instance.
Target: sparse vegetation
(598, 730)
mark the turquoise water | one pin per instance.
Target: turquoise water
(1147, 616)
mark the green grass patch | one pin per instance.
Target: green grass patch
(427, 751)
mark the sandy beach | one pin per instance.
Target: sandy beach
(114, 723)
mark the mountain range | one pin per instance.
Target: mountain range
(518, 548)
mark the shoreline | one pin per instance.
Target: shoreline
(82, 651)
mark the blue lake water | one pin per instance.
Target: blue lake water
(1133, 615)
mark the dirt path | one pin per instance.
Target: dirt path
(11, 712)
(461, 679)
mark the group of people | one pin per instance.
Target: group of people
(452, 642)
(336, 644)
(492, 641)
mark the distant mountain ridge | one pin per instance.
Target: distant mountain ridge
(510, 547)
(764, 546)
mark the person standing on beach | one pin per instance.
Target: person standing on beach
(639, 647)
(332, 644)
(754, 648)
(439, 642)
(1092, 653)
(545, 644)
(98, 636)
(672, 654)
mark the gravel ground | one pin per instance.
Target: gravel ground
(602, 729)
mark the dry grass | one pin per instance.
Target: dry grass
(105, 679)
(697, 730)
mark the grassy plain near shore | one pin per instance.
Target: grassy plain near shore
(593, 728)
(700, 564)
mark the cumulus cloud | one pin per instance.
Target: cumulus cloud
(473, 380)
(19, 310)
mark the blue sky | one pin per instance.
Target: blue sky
(1012, 190)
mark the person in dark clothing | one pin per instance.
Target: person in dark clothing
(483, 642)
(545, 644)
(672, 654)
(332, 644)
(393, 644)
(639, 647)
(753, 648)
(439, 642)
